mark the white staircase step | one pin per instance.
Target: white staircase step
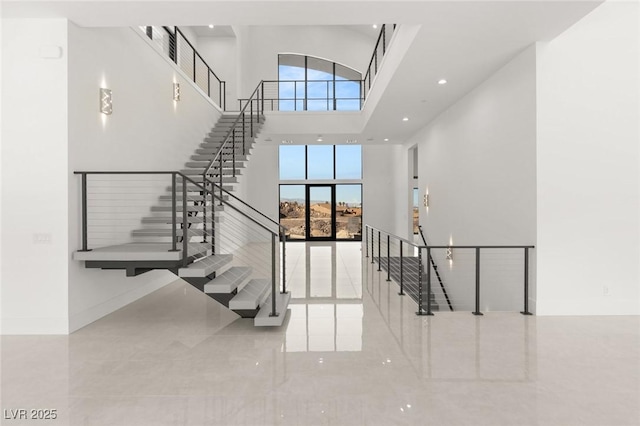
(165, 232)
(205, 266)
(169, 220)
(251, 295)
(216, 207)
(197, 189)
(263, 318)
(229, 280)
(139, 252)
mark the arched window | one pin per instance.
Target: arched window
(307, 83)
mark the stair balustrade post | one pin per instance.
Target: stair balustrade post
(194, 65)
(233, 152)
(244, 149)
(283, 238)
(185, 223)
(384, 40)
(477, 311)
(526, 282)
(373, 253)
(420, 312)
(401, 270)
(388, 257)
(85, 237)
(204, 209)
(273, 313)
(428, 283)
(366, 240)
(379, 254)
(262, 95)
(251, 115)
(220, 170)
(174, 214)
(213, 221)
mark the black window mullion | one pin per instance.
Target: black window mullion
(306, 162)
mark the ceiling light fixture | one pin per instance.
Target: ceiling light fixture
(319, 140)
(442, 81)
(386, 139)
(211, 26)
(375, 26)
(405, 119)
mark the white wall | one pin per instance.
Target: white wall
(477, 160)
(53, 128)
(221, 55)
(147, 131)
(260, 46)
(588, 190)
(35, 247)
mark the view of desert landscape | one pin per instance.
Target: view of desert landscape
(348, 219)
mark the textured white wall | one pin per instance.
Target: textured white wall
(147, 131)
(477, 160)
(221, 55)
(588, 162)
(35, 246)
(260, 46)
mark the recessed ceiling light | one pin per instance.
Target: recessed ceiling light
(442, 81)
(352, 141)
(319, 140)
(210, 25)
(287, 142)
(375, 26)
(386, 139)
(405, 119)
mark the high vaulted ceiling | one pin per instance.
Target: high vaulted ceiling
(461, 41)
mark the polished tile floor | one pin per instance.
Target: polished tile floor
(351, 353)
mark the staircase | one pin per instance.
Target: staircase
(199, 230)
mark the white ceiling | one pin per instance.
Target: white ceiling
(462, 41)
(216, 31)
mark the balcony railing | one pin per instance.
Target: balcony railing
(181, 51)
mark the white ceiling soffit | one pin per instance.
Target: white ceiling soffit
(236, 12)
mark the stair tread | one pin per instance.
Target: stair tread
(229, 280)
(251, 295)
(166, 232)
(206, 266)
(263, 318)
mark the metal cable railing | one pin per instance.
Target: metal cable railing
(195, 219)
(502, 269)
(333, 94)
(311, 95)
(181, 51)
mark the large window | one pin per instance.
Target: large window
(306, 83)
(320, 162)
(320, 192)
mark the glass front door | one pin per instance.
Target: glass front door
(321, 212)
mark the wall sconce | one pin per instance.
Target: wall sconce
(449, 254)
(106, 101)
(176, 91)
(426, 200)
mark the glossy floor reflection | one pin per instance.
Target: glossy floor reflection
(352, 353)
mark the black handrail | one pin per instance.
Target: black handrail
(231, 137)
(428, 248)
(281, 227)
(435, 268)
